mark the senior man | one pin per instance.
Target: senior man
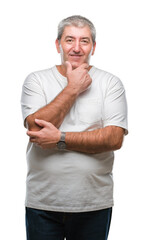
(76, 115)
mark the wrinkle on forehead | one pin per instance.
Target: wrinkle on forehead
(77, 32)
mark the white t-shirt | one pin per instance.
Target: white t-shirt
(69, 181)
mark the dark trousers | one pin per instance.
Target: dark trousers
(49, 225)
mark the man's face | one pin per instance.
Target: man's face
(76, 45)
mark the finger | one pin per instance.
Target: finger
(41, 123)
(84, 66)
(47, 146)
(68, 67)
(88, 76)
(33, 140)
(32, 134)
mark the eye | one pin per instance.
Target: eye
(83, 41)
(69, 40)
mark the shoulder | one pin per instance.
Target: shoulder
(38, 76)
(102, 74)
(106, 78)
(40, 73)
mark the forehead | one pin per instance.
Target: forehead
(77, 32)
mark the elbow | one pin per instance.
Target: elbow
(118, 144)
(30, 123)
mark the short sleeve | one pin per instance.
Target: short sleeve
(33, 97)
(115, 105)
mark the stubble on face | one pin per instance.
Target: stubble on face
(78, 52)
(74, 64)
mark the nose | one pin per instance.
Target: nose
(76, 47)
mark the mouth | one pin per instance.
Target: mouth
(75, 56)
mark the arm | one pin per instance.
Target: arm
(97, 141)
(55, 111)
(108, 138)
(100, 140)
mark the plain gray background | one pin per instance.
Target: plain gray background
(28, 31)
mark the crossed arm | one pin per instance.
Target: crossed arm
(97, 141)
(45, 132)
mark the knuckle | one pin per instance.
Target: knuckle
(40, 135)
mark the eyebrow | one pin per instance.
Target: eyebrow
(84, 38)
(69, 37)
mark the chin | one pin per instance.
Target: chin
(76, 64)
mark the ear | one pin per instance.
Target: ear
(57, 45)
(94, 48)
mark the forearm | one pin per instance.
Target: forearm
(55, 111)
(97, 141)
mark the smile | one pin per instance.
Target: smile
(75, 55)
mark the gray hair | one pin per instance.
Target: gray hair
(77, 21)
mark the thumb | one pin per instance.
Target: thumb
(68, 67)
(41, 123)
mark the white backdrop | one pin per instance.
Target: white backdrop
(28, 31)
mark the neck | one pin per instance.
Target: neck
(61, 69)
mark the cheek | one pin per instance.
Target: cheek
(66, 49)
(87, 50)
(90, 50)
